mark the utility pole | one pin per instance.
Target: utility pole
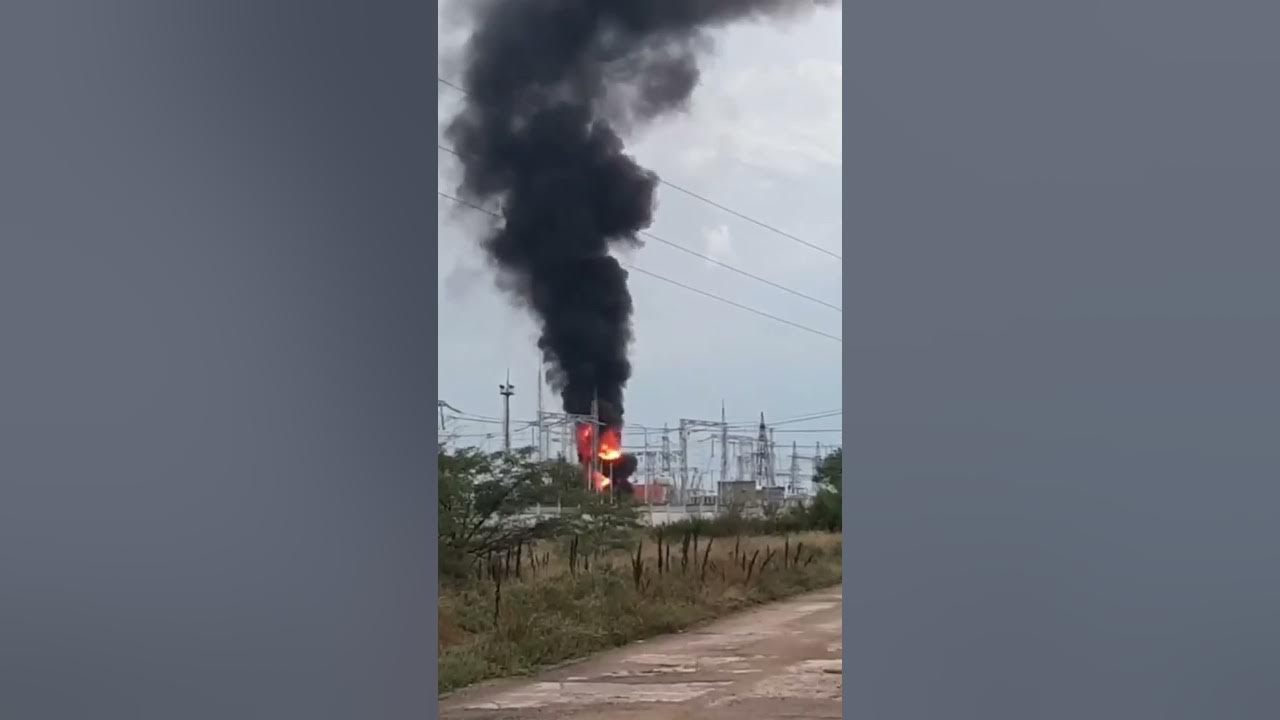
(594, 460)
(773, 452)
(687, 427)
(684, 461)
(648, 475)
(666, 451)
(795, 467)
(817, 463)
(648, 465)
(724, 446)
(644, 458)
(544, 447)
(760, 472)
(506, 390)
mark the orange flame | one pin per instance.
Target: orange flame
(610, 443)
(610, 448)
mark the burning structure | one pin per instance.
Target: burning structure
(547, 84)
(602, 458)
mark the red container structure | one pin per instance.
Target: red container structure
(655, 494)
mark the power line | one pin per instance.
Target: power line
(713, 296)
(465, 418)
(809, 418)
(694, 253)
(471, 205)
(766, 226)
(705, 199)
(708, 258)
(727, 301)
(727, 266)
(745, 424)
(449, 84)
(714, 431)
(485, 420)
(803, 416)
(449, 150)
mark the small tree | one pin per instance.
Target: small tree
(483, 501)
(564, 484)
(603, 523)
(825, 512)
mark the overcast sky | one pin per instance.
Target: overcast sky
(763, 136)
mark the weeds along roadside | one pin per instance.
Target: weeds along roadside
(555, 600)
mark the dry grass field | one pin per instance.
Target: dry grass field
(551, 604)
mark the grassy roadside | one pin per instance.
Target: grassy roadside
(563, 605)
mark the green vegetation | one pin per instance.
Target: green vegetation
(485, 499)
(823, 513)
(517, 593)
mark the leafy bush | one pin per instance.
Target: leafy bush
(484, 503)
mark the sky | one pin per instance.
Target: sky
(763, 137)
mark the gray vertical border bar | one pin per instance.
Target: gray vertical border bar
(432, 471)
(217, 360)
(1062, 350)
(849, 327)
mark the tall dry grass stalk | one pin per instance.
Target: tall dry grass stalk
(582, 600)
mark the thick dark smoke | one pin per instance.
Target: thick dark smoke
(622, 471)
(550, 83)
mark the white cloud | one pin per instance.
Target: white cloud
(453, 22)
(719, 244)
(769, 102)
(785, 119)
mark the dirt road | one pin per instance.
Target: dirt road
(778, 661)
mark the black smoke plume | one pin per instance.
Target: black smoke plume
(549, 85)
(621, 473)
